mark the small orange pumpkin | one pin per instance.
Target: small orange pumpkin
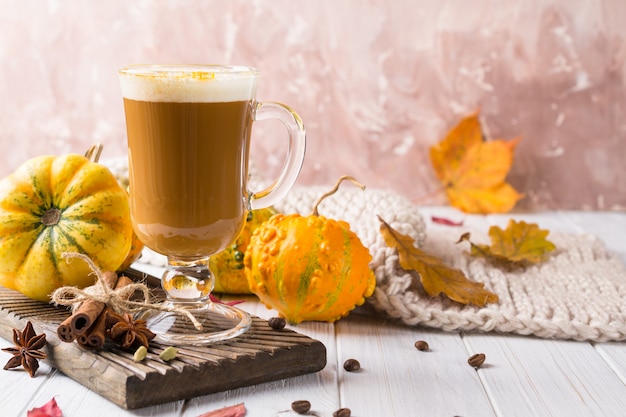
(136, 245)
(227, 266)
(309, 267)
(136, 248)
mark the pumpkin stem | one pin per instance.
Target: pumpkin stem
(51, 216)
(94, 152)
(334, 190)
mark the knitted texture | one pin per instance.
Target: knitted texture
(578, 293)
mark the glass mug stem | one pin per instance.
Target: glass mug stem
(188, 282)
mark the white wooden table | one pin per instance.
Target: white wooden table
(522, 376)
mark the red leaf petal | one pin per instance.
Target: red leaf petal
(49, 409)
(238, 410)
(229, 303)
(447, 222)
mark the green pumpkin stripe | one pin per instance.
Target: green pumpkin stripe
(64, 239)
(42, 195)
(39, 229)
(344, 274)
(312, 265)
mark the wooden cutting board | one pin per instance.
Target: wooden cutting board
(261, 354)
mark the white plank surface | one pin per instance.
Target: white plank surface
(523, 376)
(615, 356)
(526, 376)
(18, 388)
(396, 379)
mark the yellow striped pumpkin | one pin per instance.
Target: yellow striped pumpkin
(308, 268)
(51, 205)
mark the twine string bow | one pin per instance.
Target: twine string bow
(117, 299)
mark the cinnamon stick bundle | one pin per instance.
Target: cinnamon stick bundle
(95, 336)
(88, 323)
(85, 315)
(89, 311)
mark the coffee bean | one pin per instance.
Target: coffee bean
(277, 323)
(301, 406)
(351, 365)
(422, 345)
(342, 412)
(476, 360)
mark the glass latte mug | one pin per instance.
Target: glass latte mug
(188, 130)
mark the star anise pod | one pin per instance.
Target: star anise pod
(127, 331)
(26, 350)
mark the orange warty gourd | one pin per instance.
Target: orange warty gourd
(309, 267)
(51, 205)
(227, 266)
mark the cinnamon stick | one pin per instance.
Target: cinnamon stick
(64, 331)
(123, 281)
(87, 313)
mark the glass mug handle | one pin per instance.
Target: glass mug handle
(295, 154)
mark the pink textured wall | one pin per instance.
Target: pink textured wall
(376, 82)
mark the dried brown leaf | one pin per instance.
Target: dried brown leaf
(518, 245)
(473, 171)
(435, 276)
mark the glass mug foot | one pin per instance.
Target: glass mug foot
(192, 319)
(211, 322)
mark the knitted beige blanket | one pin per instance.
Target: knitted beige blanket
(579, 293)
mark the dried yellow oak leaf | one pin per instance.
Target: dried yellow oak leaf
(473, 171)
(435, 276)
(519, 244)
